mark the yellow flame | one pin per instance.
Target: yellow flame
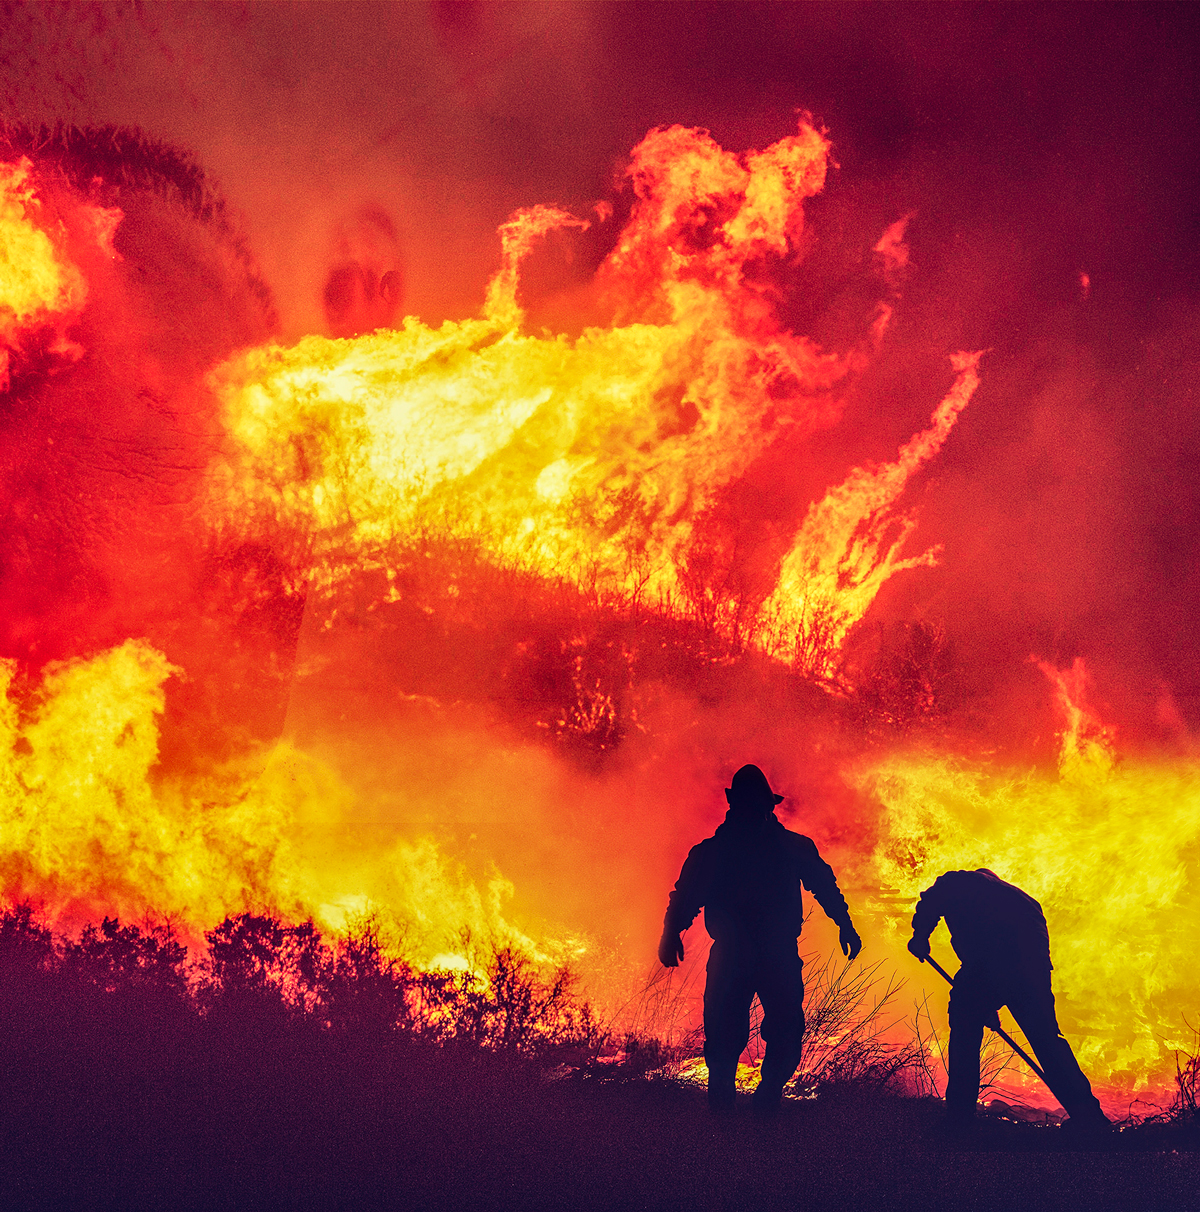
(594, 459)
(1086, 743)
(86, 824)
(1109, 849)
(591, 458)
(39, 282)
(33, 279)
(849, 544)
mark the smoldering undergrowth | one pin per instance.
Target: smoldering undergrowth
(851, 1038)
(578, 667)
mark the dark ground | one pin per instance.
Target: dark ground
(657, 1147)
(277, 1072)
(244, 1128)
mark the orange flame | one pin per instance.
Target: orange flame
(850, 543)
(87, 826)
(1086, 743)
(35, 282)
(594, 460)
(591, 459)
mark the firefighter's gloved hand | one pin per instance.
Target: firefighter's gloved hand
(919, 947)
(993, 1023)
(670, 949)
(851, 943)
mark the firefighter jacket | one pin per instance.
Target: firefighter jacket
(992, 924)
(748, 877)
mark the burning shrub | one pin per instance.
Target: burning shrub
(814, 639)
(620, 462)
(511, 1004)
(910, 680)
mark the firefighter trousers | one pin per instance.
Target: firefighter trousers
(975, 998)
(736, 972)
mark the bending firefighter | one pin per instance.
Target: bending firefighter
(748, 878)
(1000, 935)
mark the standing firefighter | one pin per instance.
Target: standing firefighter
(1000, 935)
(748, 876)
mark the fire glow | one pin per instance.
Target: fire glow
(598, 466)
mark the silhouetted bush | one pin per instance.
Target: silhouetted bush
(26, 945)
(260, 958)
(1184, 1111)
(133, 1074)
(257, 968)
(509, 1005)
(118, 958)
(1187, 1076)
(365, 991)
(278, 1071)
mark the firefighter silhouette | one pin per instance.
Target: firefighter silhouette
(748, 879)
(999, 933)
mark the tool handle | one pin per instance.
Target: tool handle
(1012, 1043)
(1004, 1035)
(938, 968)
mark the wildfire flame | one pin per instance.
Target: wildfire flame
(598, 461)
(86, 827)
(1108, 849)
(37, 283)
(850, 543)
(595, 460)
